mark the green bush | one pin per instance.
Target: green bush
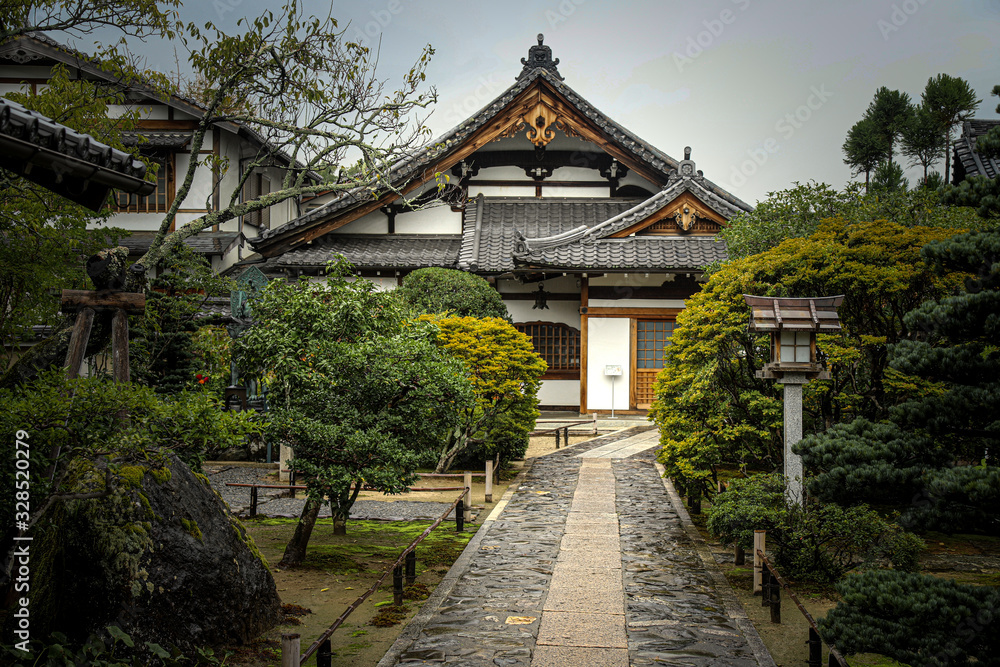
(921, 620)
(819, 542)
(461, 294)
(115, 649)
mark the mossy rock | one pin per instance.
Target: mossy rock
(161, 556)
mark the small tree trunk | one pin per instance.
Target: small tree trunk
(339, 524)
(295, 551)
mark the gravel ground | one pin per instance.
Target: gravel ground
(274, 503)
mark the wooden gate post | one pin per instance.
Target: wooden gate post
(489, 481)
(758, 564)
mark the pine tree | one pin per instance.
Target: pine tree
(935, 448)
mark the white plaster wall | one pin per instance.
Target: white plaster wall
(502, 174)
(579, 174)
(557, 191)
(558, 283)
(528, 190)
(564, 312)
(633, 279)
(607, 343)
(636, 303)
(13, 88)
(373, 223)
(136, 222)
(634, 179)
(559, 392)
(434, 220)
(201, 186)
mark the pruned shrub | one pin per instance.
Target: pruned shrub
(917, 619)
(819, 542)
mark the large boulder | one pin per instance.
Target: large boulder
(161, 556)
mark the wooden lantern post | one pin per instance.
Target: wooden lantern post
(86, 304)
(793, 324)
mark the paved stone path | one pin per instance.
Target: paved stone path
(585, 563)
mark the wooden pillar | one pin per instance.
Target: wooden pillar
(290, 650)
(489, 481)
(468, 496)
(119, 346)
(758, 565)
(78, 342)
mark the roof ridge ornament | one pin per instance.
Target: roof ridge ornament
(539, 56)
(686, 167)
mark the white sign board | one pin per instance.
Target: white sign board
(613, 370)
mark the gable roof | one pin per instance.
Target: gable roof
(536, 88)
(968, 161)
(374, 251)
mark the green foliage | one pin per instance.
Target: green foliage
(888, 177)
(505, 373)
(69, 420)
(921, 620)
(458, 293)
(798, 212)
(162, 350)
(923, 139)
(865, 147)
(980, 192)
(361, 394)
(711, 408)
(820, 542)
(115, 648)
(891, 111)
(919, 457)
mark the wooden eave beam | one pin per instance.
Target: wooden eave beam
(520, 105)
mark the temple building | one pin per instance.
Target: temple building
(593, 237)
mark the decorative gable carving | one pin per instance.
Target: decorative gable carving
(684, 215)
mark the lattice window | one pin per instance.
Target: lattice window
(651, 340)
(158, 201)
(557, 344)
(255, 186)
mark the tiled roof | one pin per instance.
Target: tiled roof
(648, 253)
(531, 243)
(66, 161)
(970, 162)
(411, 167)
(401, 251)
(492, 226)
(156, 139)
(206, 243)
(215, 308)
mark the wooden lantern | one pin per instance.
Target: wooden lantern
(793, 324)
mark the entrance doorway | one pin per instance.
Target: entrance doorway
(649, 341)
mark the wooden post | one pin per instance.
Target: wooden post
(119, 345)
(253, 502)
(397, 585)
(460, 516)
(468, 496)
(489, 481)
(290, 650)
(557, 438)
(566, 437)
(411, 567)
(78, 342)
(758, 548)
(775, 598)
(324, 656)
(815, 649)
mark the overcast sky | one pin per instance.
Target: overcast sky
(763, 91)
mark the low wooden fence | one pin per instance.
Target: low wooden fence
(769, 584)
(465, 476)
(564, 429)
(404, 569)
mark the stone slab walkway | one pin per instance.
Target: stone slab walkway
(588, 561)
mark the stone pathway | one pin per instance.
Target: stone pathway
(587, 562)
